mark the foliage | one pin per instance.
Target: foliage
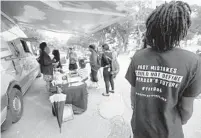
(199, 42)
(82, 40)
(117, 33)
(189, 36)
(196, 23)
(132, 26)
(32, 33)
(196, 19)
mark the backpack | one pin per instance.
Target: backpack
(115, 67)
(106, 59)
(114, 63)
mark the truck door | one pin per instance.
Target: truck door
(31, 61)
(18, 62)
(25, 63)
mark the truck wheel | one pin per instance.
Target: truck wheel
(15, 104)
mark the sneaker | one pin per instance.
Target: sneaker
(105, 94)
(111, 91)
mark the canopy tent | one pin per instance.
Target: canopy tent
(72, 17)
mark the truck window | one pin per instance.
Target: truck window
(14, 49)
(29, 45)
(4, 49)
(25, 47)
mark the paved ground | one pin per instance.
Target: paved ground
(38, 122)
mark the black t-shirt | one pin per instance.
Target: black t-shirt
(160, 80)
(46, 64)
(106, 58)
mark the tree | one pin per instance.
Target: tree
(196, 19)
(32, 33)
(119, 33)
(82, 40)
(137, 13)
(195, 28)
(189, 37)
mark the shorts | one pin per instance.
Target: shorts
(73, 66)
(48, 78)
(94, 77)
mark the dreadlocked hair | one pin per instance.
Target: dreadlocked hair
(167, 25)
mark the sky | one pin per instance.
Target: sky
(67, 36)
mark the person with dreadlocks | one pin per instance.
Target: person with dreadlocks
(164, 78)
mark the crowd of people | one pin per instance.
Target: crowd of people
(164, 79)
(105, 59)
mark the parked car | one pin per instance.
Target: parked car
(19, 69)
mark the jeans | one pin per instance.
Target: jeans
(108, 78)
(94, 77)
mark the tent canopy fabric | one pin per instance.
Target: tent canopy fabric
(82, 17)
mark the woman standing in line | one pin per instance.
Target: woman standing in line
(46, 64)
(107, 69)
(94, 65)
(56, 58)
